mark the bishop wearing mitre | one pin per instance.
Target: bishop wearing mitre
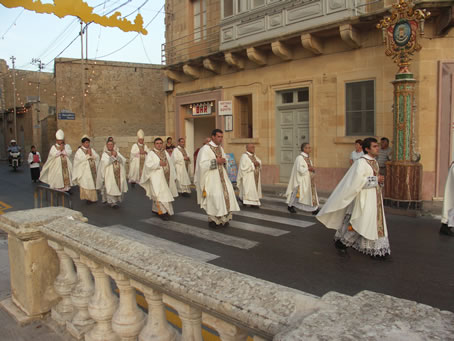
(158, 180)
(181, 161)
(139, 151)
(248, 179)
(215, 191)
(301, 191)
(57, 171)
(355, 208)
(85, 170)
(111, 177)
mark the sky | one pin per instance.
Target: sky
(27, 35)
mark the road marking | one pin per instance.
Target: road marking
(4, 206)
(199, 232)
(151, 240)
(238, 224)
(274, 219)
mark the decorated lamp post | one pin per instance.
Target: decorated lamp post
(401, 32)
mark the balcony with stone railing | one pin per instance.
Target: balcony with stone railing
(90, 281)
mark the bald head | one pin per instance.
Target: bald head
(250, 148)
(207, 140)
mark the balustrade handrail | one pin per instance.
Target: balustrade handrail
(59, 263)
(261, 307)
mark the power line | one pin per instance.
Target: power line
(49, 48)
(137, 9)
(129, 42)
(13, 24)
(100, 29)
(144, 49)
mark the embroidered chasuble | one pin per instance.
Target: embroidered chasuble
(217, 151)
(380, 226)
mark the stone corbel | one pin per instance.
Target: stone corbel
(234, 60)
(311, 43)
(281, 50)
(256, 56)
(350, 36)
(192, 71)
(211, 65)
(176, 76)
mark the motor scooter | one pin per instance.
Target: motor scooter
(16, 161)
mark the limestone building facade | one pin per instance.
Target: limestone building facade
(298, 71)
(112, 99)
(35, 108)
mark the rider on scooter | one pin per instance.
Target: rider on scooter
(12, 148)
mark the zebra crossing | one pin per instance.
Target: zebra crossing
(248, 223)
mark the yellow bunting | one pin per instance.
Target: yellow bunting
(80, 9)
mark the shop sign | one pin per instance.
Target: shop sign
(225, 108)
(201, 109)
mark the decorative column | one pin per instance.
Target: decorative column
(401, 33)
(102, 305)
(63, 285)
(191, 319)
(157, 327)
(128, 320)
(227, 331)
(81, 295)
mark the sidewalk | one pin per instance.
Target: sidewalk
(10, 330)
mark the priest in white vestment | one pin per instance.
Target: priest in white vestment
(85, 167)
(301, 191)
(216, 194)
(158, 180)
(137, 157)
(57, 171)
(111, 177)
(447, 217)
(182, 162)
(355, 208)
(248, 179)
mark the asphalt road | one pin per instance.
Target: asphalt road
(269, 244)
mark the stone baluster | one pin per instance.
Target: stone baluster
(157, 327)
(63, 285)
(128, 320)
(191, 319)
(227, 331)
(102, 305)
(81, 294)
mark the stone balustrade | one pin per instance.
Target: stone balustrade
(59, 263)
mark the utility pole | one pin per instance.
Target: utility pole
(40, 67)
(13, 59)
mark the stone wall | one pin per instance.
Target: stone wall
(120, 98)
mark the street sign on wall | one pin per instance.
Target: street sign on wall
(66, 115)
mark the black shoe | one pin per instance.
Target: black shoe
(291, 209)
(212, 225)
(339, 245)
(446, 230)
(133, 184)
(316, 211)
(226, 224)
(164, 216)
(186, 195)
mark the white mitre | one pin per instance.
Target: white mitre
(140, 134)
(60, 135)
